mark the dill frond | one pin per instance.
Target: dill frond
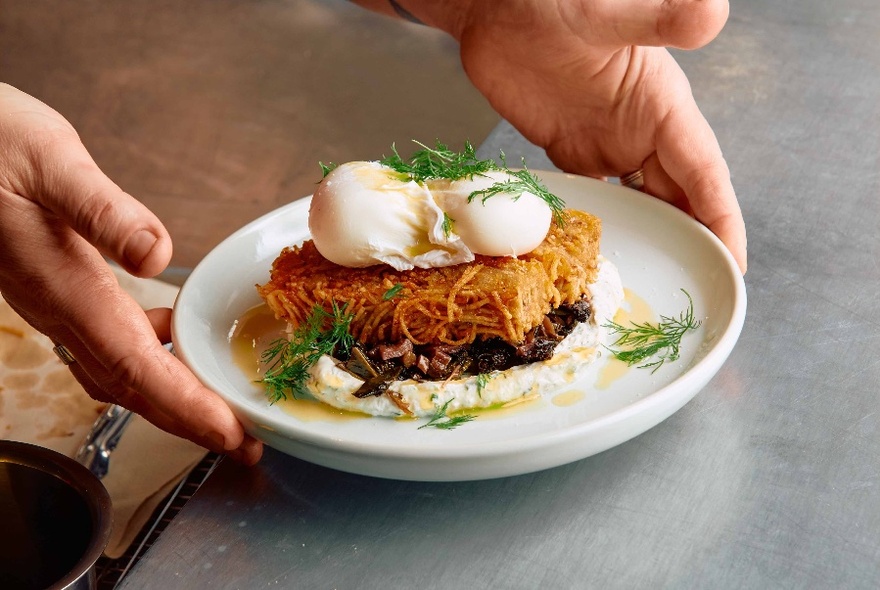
(438, 162)
(482, 382)
(643, 341)
(523, 181)
(392, 292)
(448, 224)
(445, 422)
(327, 168)
(290, 360)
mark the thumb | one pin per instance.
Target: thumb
(70, 184)
(47, 163)
(689, 152)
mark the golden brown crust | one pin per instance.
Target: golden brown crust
(491, 296)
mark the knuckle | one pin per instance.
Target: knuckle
(128, 370)
(132, 371)
(97, 217)
(139, 372)
(706, 179)
(46, 146)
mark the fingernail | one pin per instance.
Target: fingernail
(242, 457)
(248, 454)
(139, 247)
(217, 441)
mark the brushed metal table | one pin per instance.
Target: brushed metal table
(768, 478)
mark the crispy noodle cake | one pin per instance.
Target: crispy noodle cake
(491, 296)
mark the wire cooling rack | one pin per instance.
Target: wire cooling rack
(110, 572)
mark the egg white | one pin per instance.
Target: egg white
(363, 214)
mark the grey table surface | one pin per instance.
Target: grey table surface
(768, 478)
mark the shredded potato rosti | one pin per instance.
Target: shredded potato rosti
(491, 296)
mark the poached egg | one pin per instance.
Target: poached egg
(365, 213)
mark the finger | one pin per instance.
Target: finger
(685, 24)
(659, 184)
(688, 150)
(250, 450)
(125, 343)
(160, 319)
(120, 358)
(101, 385)
(249, 453)
(96, 381)
(69, 183)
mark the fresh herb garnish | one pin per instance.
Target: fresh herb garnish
(440, 162)
(327, 168)
(643, 341)
(523, 181)
(290, 360)
(482, 382)
(447, 224)
(392, 292)
(444, 422)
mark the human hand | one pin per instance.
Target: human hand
(58, 214)
(592, 83)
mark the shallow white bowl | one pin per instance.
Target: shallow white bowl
(659, 251)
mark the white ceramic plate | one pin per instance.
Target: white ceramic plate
(658, 250)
